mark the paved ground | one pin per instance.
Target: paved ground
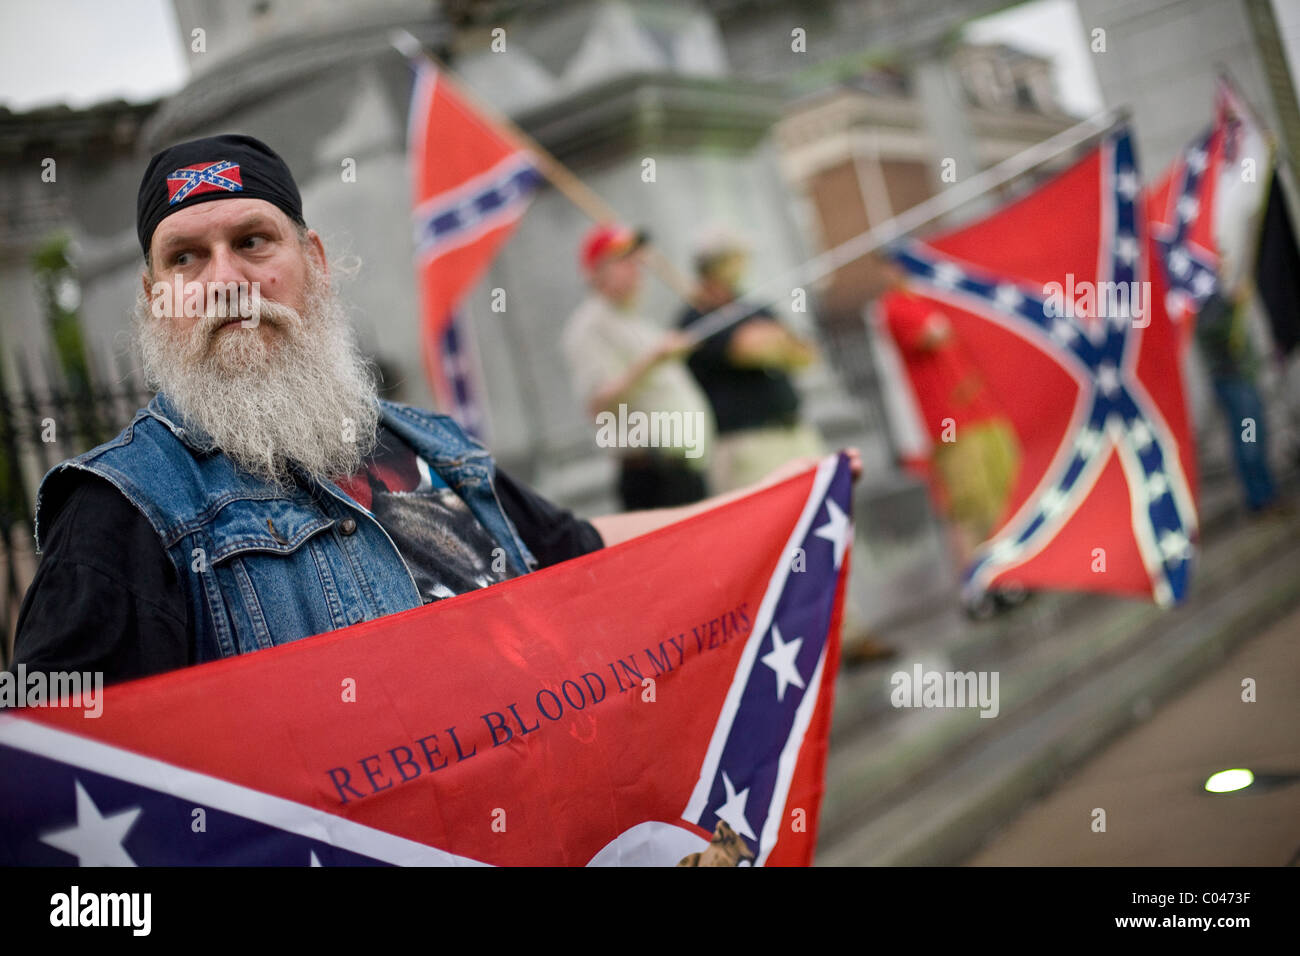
(1149, 781)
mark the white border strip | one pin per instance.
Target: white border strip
(223, 795)
(789, 758)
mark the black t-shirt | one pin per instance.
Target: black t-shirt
(741, 397)
(106, 596)
(445, 547)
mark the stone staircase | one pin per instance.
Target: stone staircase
(918, 787)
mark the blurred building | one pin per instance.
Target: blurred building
(861, 152)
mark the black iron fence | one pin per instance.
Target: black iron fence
(39, 427)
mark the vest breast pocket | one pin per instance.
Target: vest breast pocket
(270, 578)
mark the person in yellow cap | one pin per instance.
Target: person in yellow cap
(745, 371)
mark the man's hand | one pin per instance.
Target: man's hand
(766, 343)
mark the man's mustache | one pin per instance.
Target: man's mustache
(268, 311)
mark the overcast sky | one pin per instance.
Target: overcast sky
(82, 52)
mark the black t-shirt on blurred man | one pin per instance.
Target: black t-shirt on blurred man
(742, 398)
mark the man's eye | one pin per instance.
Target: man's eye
(182, 259)
(253, 242)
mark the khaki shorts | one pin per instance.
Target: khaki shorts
(978, 471)
(742, 458)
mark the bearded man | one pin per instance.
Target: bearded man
(266, 494)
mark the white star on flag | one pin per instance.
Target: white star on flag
(732, 812)
(1126, 248)
(1140, 435)
(1203, 283)
(1108, 378)
(1196, 160)
(947, 275)
(96, 840)
(835, 530)
(1126, 183)
(781, 659)
(1178, 262)
(1053, 501)
(1187, 207)
(1174, 544)
(1009, 297)
(1088, 441)
(1063, 331)
(1156, 486)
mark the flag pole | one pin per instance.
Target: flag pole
(556, 173)
(922, 214)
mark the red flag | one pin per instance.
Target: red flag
(471, 185)
(1180, 211)
(1057, 310)
(1204, 210)
(623, 707)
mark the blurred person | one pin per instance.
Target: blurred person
(976, 455)
(266, 493)
(745, 371)
(627, 369)
(1223, 336)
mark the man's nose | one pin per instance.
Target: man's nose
(224, 266)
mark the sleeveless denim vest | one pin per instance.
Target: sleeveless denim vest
(260, 566)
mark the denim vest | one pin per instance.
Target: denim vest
(260, 566)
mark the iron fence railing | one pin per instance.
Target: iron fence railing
(39, 427)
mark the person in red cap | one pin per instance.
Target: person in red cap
(629, 374)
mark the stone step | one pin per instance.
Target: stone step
(1062, 647)
(936, 629)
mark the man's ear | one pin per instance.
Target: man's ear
(316, 249)
(145, 281)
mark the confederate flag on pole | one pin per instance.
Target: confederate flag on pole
(471, 185)
(1056, 302)
(662, 701)
(1204, 211)
(1180, 211)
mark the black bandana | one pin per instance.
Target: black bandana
(218, 167)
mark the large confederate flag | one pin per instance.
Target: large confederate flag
(1085, 366)
(620, 708)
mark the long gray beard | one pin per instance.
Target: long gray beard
(300, 395)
